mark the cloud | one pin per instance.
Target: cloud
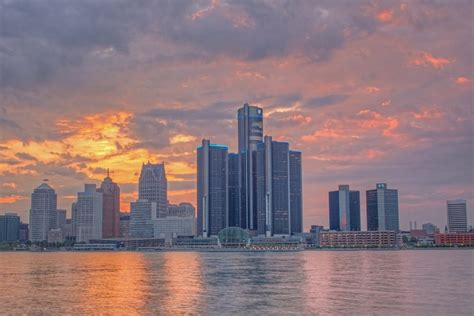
(427, 59)
(25, 156)
(325, 100)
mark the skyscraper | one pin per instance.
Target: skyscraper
(296, 192)
(153, 186)
(142, 214)
(235, 194)
(344, 209)
(273, 188)
(111, 208)
(42, 212)
(250, 134)
(89, 212)
(382, 208)
(60, 219)
(457, 216)
(9, 227)
(212, 188)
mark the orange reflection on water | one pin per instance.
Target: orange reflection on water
(182, 282)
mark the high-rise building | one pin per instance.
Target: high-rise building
(60, 219)
(296, 192)
(153, 186)
(457, 216)
(212, 188)
(235, 194)
(274, 188)
(89, 212)
(42, 212)
(181, 210)
(142, 214)
(24, 232)
(111, 208)
(382, 208)
(344, 209)
(250, 134)
(9, 227)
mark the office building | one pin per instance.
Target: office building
(153, 186)
(454, 239)
(250, 134)
(60, 219)
(68, 230)
(89, 213)
(457, 216)
(9, 227)
(124, 225)
(296, 192)
(212, 188)
(173, 227)
(181, 210)
(344, 209)
(235, 193)
(55, 235)
(43, 212)
(111, 207)
(24, 232)
(142, 214)
(358, 239)
(273, 188)
(382, 208)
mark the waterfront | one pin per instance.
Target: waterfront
(300, 283)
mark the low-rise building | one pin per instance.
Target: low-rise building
(170, 227)
(55, 235)
(454, 239)
(358, 239)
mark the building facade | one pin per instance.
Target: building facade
(344, 209)
(181, 210)
(296, 192)
(173, 227)
(212, 188)
(273, 188)
(358, 239)
(236, 218)
(88, 214)
(153, 186)
(382, 208)
(60, 219)
(250, 134)
(142, 214)
(124, 225)
(9, 227)
(43, 212)
(457, 216)
(454, 239)
(111, 208)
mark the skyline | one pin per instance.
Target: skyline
(370, 91)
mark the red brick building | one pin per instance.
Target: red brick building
(450, 239)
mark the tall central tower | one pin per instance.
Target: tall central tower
(250, 133)
(153, 186)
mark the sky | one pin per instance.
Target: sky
(369, 91)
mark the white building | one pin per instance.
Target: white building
(88, 214)
(457, 216)
(142, 214)
(173, 226)
(42, 212)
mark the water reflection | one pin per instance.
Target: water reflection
(303, 283)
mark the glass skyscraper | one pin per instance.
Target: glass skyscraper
(212, 188)
(279, 196)
(250, 134)
(235, 194)
(382, 208)
(9, 227)
(296, 192)
(344, 209)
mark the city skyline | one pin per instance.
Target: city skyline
(372, 92)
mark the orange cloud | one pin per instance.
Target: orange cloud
(371, 89)
(462, 80)
(10, 199)
(9, 185)
(385, 16)
(427, 59)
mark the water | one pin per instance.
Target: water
(419, 282)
